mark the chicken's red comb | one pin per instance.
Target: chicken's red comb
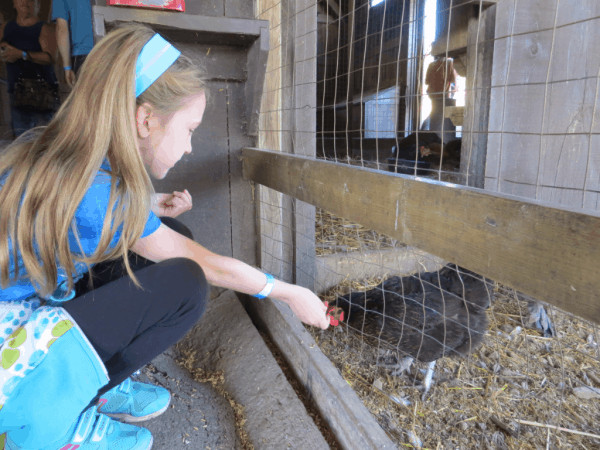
(335, 314)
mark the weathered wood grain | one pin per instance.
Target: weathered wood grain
(545, 82)
(190, 25)
(480, 56)
(243, 212)
(543, 250)
(304, 143)
(205, 174)
(335, 268)
(354, 426)
(270, 203)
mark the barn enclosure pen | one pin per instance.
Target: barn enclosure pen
(431, 167)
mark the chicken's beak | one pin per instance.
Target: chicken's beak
(335, 315)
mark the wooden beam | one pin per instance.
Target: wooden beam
(333, 6)
(456, 42)
(483, 3)
(546, 251)
(186, 27)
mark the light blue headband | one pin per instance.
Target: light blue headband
(155, 58)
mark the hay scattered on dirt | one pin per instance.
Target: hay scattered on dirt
(516, 375)
(217, 380)
(336, 235)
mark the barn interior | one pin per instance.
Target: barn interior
(372, 62)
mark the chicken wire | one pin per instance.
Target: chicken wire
(346, 82)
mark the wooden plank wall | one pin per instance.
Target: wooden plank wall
(542, 142)
(223, 217)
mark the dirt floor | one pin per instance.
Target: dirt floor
(228, 390)
(198, 418)
(483, 401)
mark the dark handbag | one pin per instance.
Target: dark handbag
(36, 94)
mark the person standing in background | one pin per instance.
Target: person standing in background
(26, 46)
(74, 34)
(440, 78)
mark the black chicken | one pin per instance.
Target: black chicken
(432, 153)
(407, 147)
(427, 316)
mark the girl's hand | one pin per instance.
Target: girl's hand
(172, 205)
(307, 307)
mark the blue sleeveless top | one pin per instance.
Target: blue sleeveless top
(26, 39)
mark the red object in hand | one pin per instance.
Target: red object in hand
(174, 5)
(335, 314)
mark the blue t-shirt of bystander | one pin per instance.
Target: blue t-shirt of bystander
(78, 14)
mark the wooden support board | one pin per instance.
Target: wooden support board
(548, 252)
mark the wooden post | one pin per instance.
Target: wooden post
(480, 58)
(270, 202)
(413, 65)
(305, 133)
(350, 125)
(287, 124)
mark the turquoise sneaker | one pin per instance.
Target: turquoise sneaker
(94, 431)
(132, 401)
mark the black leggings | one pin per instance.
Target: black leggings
(130, 326)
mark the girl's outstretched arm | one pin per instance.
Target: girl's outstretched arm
(231, 273)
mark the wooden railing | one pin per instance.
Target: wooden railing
(544, 250)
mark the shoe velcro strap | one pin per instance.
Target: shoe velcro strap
(100, 428)
(86, 421)
(124, 386)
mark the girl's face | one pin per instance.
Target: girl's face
(163, 139)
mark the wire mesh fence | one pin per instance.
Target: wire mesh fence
(499, 95)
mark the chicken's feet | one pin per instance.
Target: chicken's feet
(427, 379)
(398, 369)
(538, 318)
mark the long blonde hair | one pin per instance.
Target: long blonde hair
(48, 170)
